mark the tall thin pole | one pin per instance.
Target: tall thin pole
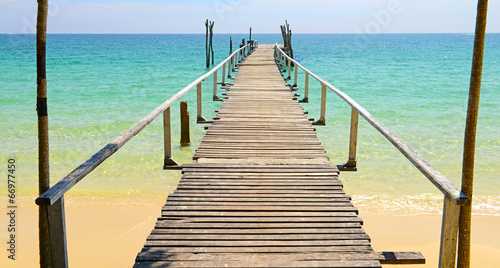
(470, 134)
(207, 49)
(43, 130)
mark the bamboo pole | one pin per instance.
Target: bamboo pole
(470, 134)
(207, 50)
(211, 43)
(43, 131)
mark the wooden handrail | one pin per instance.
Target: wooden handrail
(53, 194)
(438, 179)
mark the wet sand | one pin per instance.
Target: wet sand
(112, 235)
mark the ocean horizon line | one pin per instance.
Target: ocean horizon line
(277, 33)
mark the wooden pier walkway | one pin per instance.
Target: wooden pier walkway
(261, 191)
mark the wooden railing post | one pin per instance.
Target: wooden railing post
(223, 74)
(57, 233)
(185, 135)
(233, 60)
(449, 234)
(215, 97)
(295, 77)
(229, 68)
(199, 117)
(283, 62)
(306, 89)
(168, 162)
(350, 165)
(322, 121)
(289, 69)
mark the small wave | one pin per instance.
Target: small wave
(421, 204)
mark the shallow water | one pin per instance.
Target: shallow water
(100, 85)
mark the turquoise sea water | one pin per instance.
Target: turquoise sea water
(100, 85)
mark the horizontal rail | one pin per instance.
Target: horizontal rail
(53, 194)
(438, 179)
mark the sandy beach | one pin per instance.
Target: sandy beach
(112, 235)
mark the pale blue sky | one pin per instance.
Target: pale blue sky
(236, 16)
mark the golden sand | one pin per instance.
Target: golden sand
(112, 235)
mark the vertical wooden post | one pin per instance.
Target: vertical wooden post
(353, 141)
(449, 232)
(199, 108)
(185, 136)
(289, 69)
(207, 49)
(211, 38)
(295, 76)
(229, 66)
(56, 240)
(43, 132)
(306, 89)
(215, 97)
(470, 134)
(233, 63)
(167, 140)
(322, 120)
(58, 234)
(224, 74)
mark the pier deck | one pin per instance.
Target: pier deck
(261, 191)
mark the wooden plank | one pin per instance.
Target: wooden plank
(257, 237)
(254, 243)
(384, 257)
(282, 231)
(341, 212)
(269, 219)
(260, 200)
(164, 223)
(253, 250)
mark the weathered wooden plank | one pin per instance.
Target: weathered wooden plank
(260, 200)
(256, 187)
(263, 192)
(255, 237)
(262, 169)
(269, 249)
(258, 195)
(281, 231)
(347, 212)
(384, 257)
(164, 223)
(269, 219)
(260, 182)
(254, 243)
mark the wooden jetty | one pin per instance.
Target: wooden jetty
(261, 191)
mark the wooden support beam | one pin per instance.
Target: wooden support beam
(449, 232)
(321, 121)
(306, 89)
(199, 108)
(167, 140)
(215, 97)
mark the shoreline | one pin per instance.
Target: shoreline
(113, 234)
